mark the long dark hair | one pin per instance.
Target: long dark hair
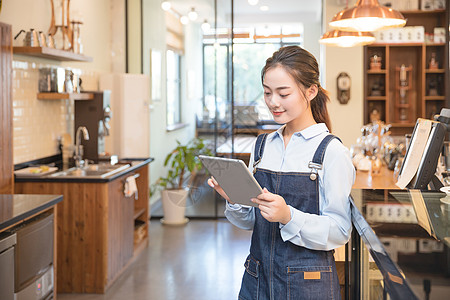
(303, 67)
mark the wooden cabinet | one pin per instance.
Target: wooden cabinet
(408, 84)
(6, 155)
(96, 229)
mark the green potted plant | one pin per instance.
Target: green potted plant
(182, 161)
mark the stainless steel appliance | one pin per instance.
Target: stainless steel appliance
(95, 116)
(7, 243)
(33, 259)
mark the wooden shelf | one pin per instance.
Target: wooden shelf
(434, 71)
(65, 96)
(140, 246)
(434, 44)
(418, 11)
(138, 212)
(376, 98)
(403, 124)
(406, 105)
(397, 44)
(434, 97)
(406, 44)
(51, 53)
(376, 72)
(417, 55)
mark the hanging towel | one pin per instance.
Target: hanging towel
(130, 187)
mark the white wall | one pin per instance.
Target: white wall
(311, 35)
(162, 141)
(95, 32)
(37, 124)
(347, 119)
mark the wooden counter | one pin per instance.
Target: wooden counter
(96, 228)
(384, 180)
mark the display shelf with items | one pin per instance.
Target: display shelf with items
(62, 96)
(435, 75)
(422, 48)
(376, 80)
(405, 108)
(51, 53)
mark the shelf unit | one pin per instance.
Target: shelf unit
(429, 91)
(65, 96)
(51, 53)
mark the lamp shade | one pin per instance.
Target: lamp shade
(339, 38)
(367, 15)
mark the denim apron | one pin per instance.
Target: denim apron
(275, 269)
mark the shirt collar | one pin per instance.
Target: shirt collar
(307, 133)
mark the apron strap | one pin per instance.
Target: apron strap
(259, 148)
(316, 163)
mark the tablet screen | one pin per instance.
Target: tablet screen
(234, 177)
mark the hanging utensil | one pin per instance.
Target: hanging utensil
(52, 29)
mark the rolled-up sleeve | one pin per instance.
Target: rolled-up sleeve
(332, 227)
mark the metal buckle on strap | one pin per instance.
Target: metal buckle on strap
(314, 169)
(255, 164)
(313, 165)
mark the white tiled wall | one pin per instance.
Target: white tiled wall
(37, 124)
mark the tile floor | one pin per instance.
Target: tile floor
(202, 260)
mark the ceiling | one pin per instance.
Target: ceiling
(280, 11)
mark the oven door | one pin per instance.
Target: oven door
(7, 266)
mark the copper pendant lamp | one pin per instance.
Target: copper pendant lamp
(367, 15)
(338, 38)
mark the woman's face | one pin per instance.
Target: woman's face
(283, 96)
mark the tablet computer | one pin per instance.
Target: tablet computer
(234, 177)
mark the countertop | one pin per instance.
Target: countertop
(407, 234)
(135, 163)
(16, 208)
(383, 180)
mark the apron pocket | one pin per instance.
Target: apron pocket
(250, 281)
(310, 282)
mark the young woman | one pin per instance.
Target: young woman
(306, 175)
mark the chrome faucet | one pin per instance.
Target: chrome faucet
(79, 162)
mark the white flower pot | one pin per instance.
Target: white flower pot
(174, 206)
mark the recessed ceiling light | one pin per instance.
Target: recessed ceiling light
(253, 2)
(264, 8)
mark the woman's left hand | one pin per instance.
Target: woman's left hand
(273, 207)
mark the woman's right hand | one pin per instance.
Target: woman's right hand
(215, 185)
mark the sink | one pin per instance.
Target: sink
(93, 171)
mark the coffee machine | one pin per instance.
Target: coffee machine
(95, 115)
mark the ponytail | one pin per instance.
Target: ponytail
(319, 107)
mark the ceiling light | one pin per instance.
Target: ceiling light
(184, 20)
(165, 5)
(264, 8)
(192, 14)
(367, 15)
(253, 2)
(206, 26)
(339, 38)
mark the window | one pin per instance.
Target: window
(252, 46)
(173, 61)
